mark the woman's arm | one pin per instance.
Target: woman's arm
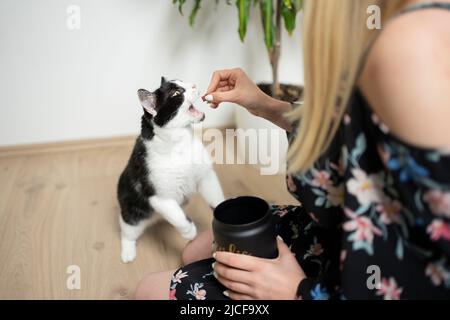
(233, 85)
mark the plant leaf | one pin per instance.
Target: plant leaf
(288, 4)
(269, 27)
(289, 14)
(180, 5)
(194, 11)
(298, 4)
(243, 7)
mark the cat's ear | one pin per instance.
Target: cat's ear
(148, 101)
(163, 80)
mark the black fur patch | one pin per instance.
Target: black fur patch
(134, 188)
(166, 105)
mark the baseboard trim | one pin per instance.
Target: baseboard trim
(65, 146)
(71, 145)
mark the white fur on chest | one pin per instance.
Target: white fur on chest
(176, 161)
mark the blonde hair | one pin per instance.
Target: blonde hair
(335, 35)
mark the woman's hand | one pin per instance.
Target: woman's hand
(249, 278)
(233, 85)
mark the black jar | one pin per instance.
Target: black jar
(245, 225)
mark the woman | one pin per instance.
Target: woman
(367, 162)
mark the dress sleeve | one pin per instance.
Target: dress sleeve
(316, 250)
(288, 221)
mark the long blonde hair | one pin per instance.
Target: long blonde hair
(335, 36)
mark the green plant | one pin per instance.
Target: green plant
(272, 14)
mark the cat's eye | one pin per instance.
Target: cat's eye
(176, 93)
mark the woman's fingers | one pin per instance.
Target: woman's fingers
(213, 101)
(232, 274)
(214, 83)
(237, 287)
(238, 261)
(221, 96)
(236, 296)
(224, 88)
(223, 83)
(217, 77)
(282, 247)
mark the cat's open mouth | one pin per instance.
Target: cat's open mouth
(198, 115)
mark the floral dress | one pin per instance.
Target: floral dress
(374, 221)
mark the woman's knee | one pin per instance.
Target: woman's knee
(198, 249)
(154, 286)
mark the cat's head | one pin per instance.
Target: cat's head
(171, 105)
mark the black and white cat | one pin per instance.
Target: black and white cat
(161, 174)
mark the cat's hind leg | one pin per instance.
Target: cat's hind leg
(170, 210)
(129, 235)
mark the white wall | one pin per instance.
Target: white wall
(58, 84)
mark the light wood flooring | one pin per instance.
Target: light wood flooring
(58, 208)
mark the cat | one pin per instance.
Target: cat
(161, 175)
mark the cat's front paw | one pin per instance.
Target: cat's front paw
(128, 251)
(189, 232)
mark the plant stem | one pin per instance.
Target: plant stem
(274, 53)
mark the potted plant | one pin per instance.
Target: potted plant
(273, 12)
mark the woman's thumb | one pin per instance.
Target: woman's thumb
(282, 247)
(218, 97)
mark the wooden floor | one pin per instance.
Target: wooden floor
(59, 208)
